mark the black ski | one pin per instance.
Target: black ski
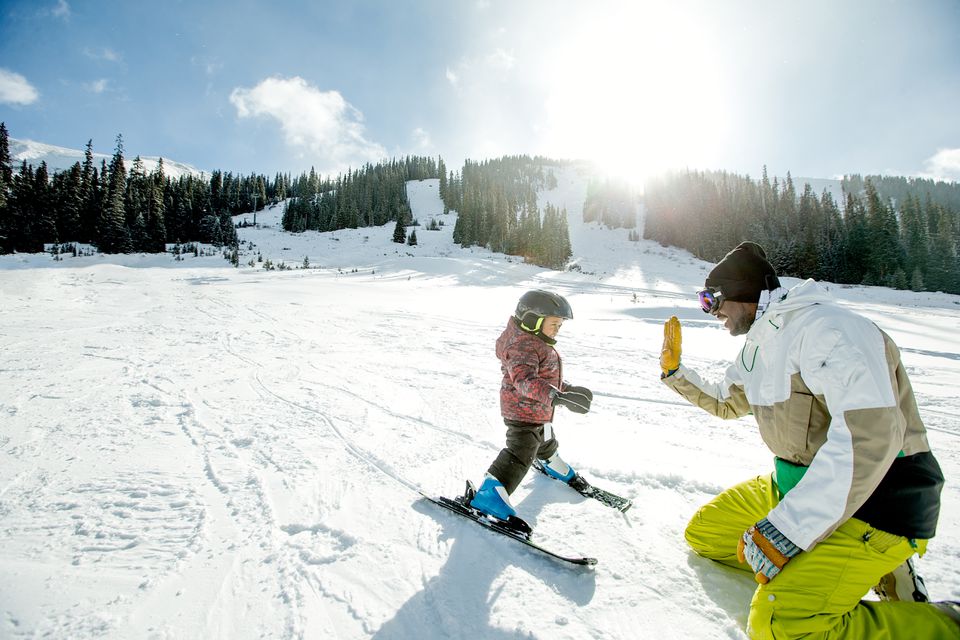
(587, 490)
(517, 530)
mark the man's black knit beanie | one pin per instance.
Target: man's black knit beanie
(743, 274)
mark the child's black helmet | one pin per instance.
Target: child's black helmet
(538, 304)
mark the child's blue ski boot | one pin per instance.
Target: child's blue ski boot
(555, 467)
(492, 499)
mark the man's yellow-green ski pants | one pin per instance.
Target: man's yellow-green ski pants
(817, 595)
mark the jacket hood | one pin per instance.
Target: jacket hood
(804, 295)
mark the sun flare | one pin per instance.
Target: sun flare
(636, 94)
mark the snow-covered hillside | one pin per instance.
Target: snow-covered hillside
(62, 158)
(189, 450)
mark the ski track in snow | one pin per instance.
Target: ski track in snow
(194, 451)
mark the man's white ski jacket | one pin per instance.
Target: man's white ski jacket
(829, 392)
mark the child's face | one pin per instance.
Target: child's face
(551, 326)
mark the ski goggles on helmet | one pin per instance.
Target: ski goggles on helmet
(710, 300)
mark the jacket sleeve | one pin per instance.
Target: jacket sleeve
(725, 399)
(523, 367)
(847, 365)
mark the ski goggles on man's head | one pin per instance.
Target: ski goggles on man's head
(710, 300)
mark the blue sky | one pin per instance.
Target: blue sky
(819, 88)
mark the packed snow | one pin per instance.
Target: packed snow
(190, 450)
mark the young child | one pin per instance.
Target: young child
(532, 386)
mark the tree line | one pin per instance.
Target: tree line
(899, 188)
(496, 202)
(899, 233)
(368, 197)
(497, 205)
(120, 210)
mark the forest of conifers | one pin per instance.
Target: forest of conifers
(891, 231)
(122, 211)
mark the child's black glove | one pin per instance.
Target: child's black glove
(577, 399)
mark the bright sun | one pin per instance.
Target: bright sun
(637, 94)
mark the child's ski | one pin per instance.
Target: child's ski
(502, 527)
(584, 488)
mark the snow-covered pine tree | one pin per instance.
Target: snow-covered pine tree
(114, 235)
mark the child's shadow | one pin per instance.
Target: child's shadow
(457, 603)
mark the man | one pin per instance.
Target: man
(855, 490)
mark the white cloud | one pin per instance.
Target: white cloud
(62, 10)
(944, 165)
(501, 59)
(326, 129)
(97, 86)
(102, 54)
(452, 77)
(421, 139)
(15, 89)
(482, 69)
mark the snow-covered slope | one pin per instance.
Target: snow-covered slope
(62, 158)
(210, 452)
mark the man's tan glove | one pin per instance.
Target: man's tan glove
(670, 354)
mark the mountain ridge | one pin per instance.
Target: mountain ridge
(62, 158)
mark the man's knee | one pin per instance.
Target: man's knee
(699, 535)
(711, 534)
(693, 534)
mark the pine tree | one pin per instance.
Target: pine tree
(42, 210)
(399, 231)
(20, 212)
(114, 235)
(858, 241)
(915, 240)
(210, 230)
(135, 205)
(830, 245)
(943, 273)
(6, 170)
(501, 220)
(6, 184)
(228, 232)
(217, 200)
(179, 211)
(260, 192)
(442, 170)
(809, 225)
(412, 240)
(551, 183)
(156, 211)
(89, 197)
(884, 238)
(67, 193)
